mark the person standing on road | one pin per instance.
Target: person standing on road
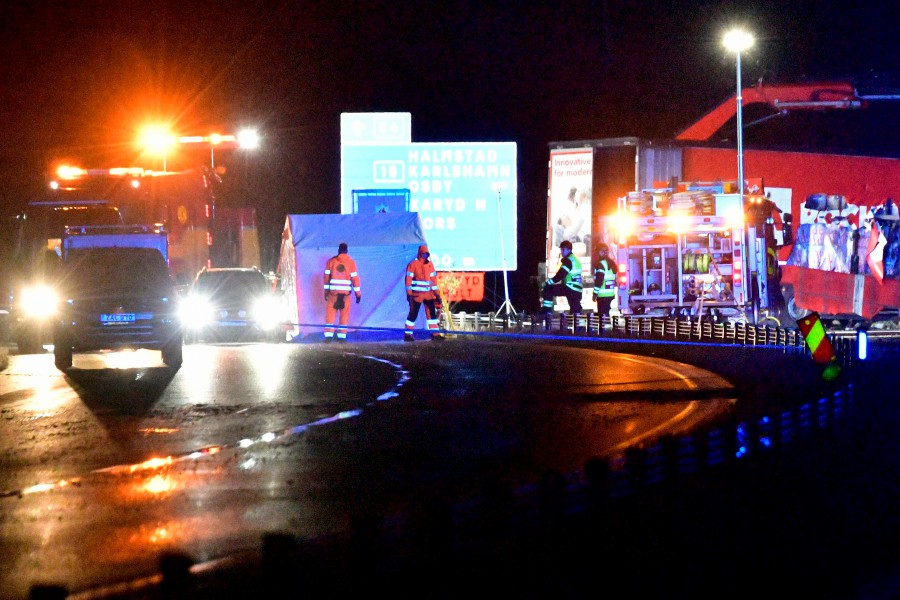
(422, 288)
(604, 281)
(341, 279)
(566, 282)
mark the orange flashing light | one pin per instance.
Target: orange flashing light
(69, 172)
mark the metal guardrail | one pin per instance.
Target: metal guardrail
(677, 329)
(683, 328)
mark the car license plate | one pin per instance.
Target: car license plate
(117, 318)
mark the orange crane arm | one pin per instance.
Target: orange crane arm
(836, 95)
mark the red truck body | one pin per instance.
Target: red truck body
(840, 294)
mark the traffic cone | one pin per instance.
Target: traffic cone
(819, 345)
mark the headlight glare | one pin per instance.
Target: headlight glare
(267, 312)
(195, 312)
(39, 301)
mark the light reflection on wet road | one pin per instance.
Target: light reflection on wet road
(121, 458)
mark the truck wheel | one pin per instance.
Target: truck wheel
(62, 356)
(172, 354)
(794, 311)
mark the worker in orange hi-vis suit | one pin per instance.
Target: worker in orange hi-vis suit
(341, 279)
(422, 288)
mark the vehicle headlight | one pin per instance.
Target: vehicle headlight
(195, 312)
(39, 301)
(267, 312)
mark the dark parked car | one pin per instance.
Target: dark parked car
(116, 298)
(232, 304)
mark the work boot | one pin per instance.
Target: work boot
(437, 337)
(342, 340)
(408, 338)
(328, 340)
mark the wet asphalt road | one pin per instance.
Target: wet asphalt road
(121, 459)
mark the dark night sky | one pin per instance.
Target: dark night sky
(78, 78)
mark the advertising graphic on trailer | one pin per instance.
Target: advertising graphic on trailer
(569, 206)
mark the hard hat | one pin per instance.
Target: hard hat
(566, 244)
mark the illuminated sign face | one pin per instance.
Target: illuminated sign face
(457, 287)
(465, 193)
(378, 129)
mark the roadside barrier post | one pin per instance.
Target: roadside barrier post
(819, 345)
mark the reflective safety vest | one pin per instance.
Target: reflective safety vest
(604, 280)
(771, 262)
(421, 280)
(341, 275)
(573, 274)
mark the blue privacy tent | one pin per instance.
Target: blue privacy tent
(382, 244)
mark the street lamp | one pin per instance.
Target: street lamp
(248, 139)
(738, 40)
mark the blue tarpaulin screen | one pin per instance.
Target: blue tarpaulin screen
(382, 244)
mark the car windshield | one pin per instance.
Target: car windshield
(102, 270)
(231, 286)
(83, 215)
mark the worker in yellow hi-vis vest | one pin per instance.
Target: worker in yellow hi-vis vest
(604, 280)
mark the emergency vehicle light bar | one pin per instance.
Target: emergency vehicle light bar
(70, 172)
(213, 139)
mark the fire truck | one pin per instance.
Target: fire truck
(201, 234)
(694, 252)
(790, 182)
